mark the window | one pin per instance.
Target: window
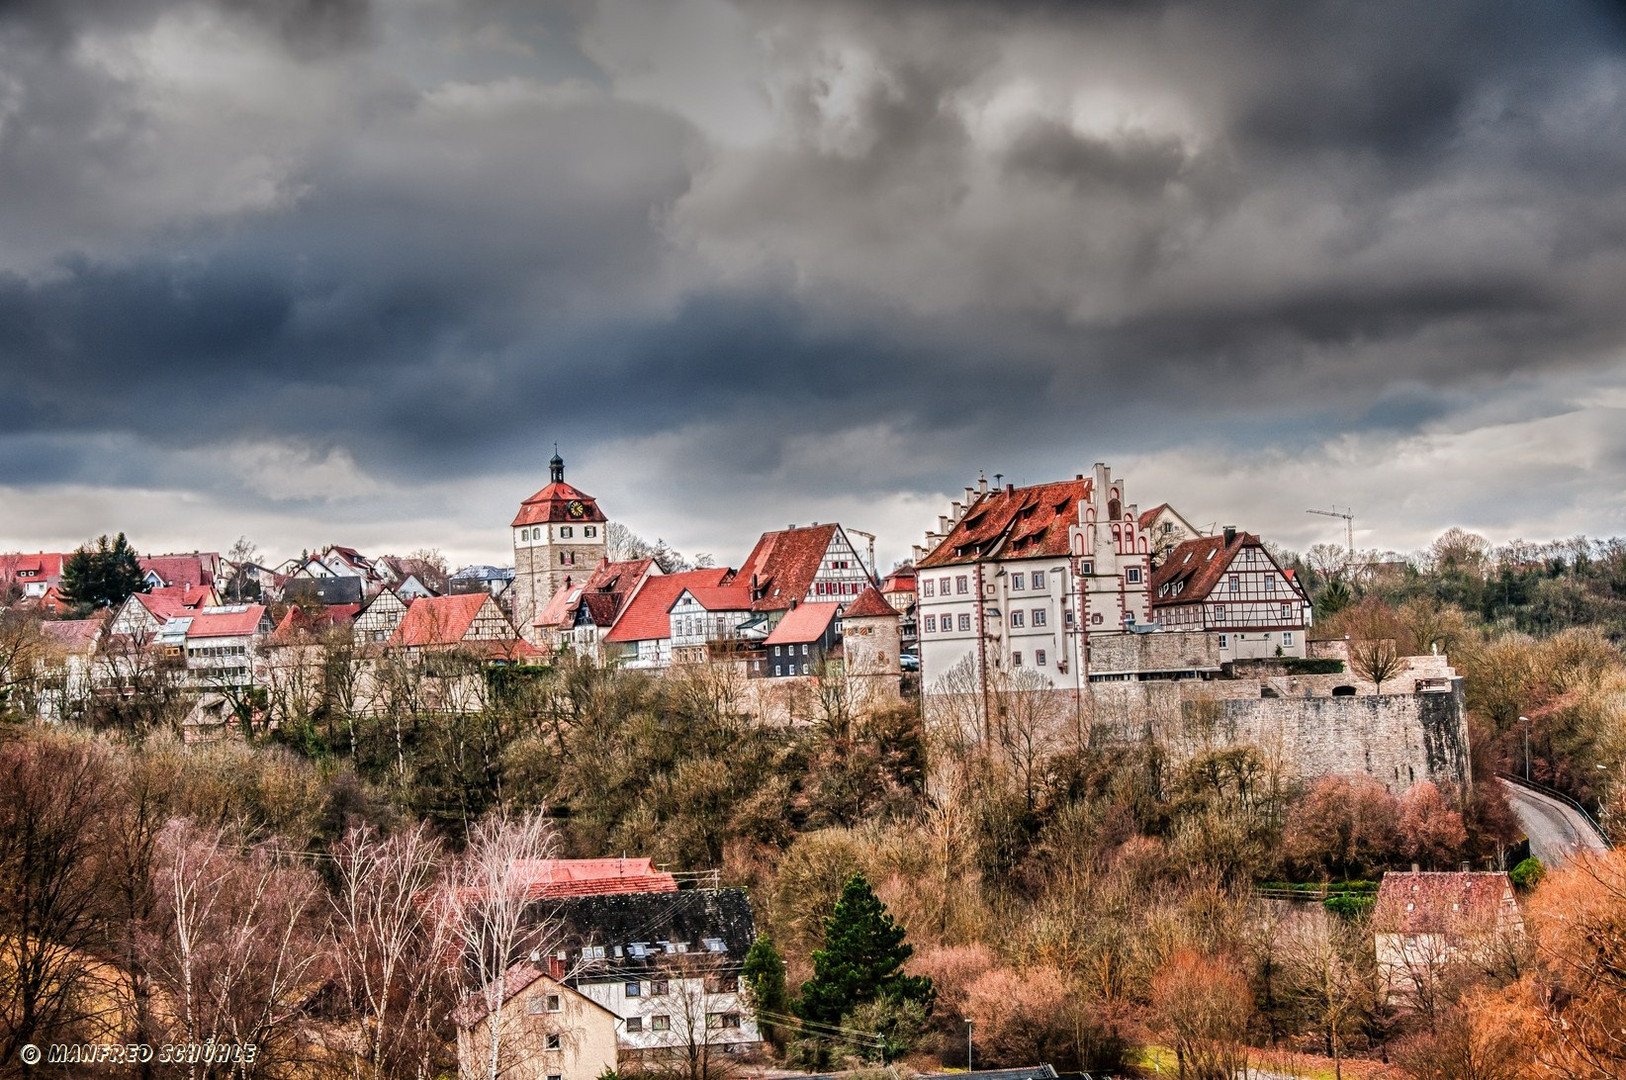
(804, 650)
(926, 587)
(1219, 611)
(658, 987)
(776, 670)
(556, 1076)
(1270, 583)
(931, 624)
(1225, 641)
(965, 622)
(1087, 566)
(551, 1041)
(1038, 657)
(962, 585)
(1287, 612)
(635, 1024)
(554, 1004)
(589, 530)
(635, 989)
(1016, 659)
(638, 949)
(804, 669)
(534, 1006)
(1235, 582)
(1038, 616)
(776, 649)
(1132, 574)
(819, 588)
(715, 944)
(1016, 619)
(943, 586)
(1038, 579)
(592, 952)
(1019, 581)
(722, 1020)
(1287, 637)
(660, 1023)
(565, 530)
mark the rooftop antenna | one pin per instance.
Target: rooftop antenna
(998, 476)
(1348, 515)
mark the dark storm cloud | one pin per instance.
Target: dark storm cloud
(427, 236)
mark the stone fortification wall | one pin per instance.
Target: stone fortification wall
(1165, 651)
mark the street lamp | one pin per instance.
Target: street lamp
(1525, 720)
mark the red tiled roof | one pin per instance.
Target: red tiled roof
(604, 591)
(735, 596)
(1433, 903)
(1200, 563)
(439, 620)
(803, 623)
(296, 619)
(869, 603)
(166, 603)
(179, 570)
(75, 635)
(646, 615)
(900, 580)
(236, 621)
(1015, 523)
(1148, 516)
(782, 566)
(552, 504)
(42, 564)
(593, 877)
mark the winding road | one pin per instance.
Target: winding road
(1556, 829)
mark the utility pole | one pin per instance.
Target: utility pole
(1349, 524)
(968, 1026)
(1526, 722)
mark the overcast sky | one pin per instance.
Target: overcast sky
(344, 272)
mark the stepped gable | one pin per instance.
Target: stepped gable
(870, 603)
(1013, 523)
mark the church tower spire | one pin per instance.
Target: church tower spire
(559, 536)
(556, 466)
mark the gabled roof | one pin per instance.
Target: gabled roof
(900, 580)
(804, 623)
(604, 592)
(735, 596)
(782, 566)
(870, 603)
(1013, 523)
(439, 620)
(516, 980)
(296, 620)
(1437, 903)
(42, 564)
(689, 916)
(1195, 567)
(646, 616)
(553, 502)
(235, 621)
(593, 877)
(192, 569)
(166, 603)
(73, 635)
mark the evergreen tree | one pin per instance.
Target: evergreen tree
(764, 975)
(103, 575)
(861, 961)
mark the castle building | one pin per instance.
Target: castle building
(559, 538)
(1025, 577)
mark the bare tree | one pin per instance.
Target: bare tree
(236, 943)
(1325, 965)
(490, 918)
(53, 880)
(702, 1002)
(389, 952)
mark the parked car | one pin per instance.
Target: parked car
(909, 661)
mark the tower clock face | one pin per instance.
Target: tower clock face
(575, 508)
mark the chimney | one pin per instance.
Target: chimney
(1078, 476)
(1010, 489)
(1230, 535)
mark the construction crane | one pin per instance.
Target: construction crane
(1349, 522)
(874, 577)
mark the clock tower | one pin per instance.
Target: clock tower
(559, 538)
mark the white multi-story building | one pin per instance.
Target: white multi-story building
(1024, 577)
